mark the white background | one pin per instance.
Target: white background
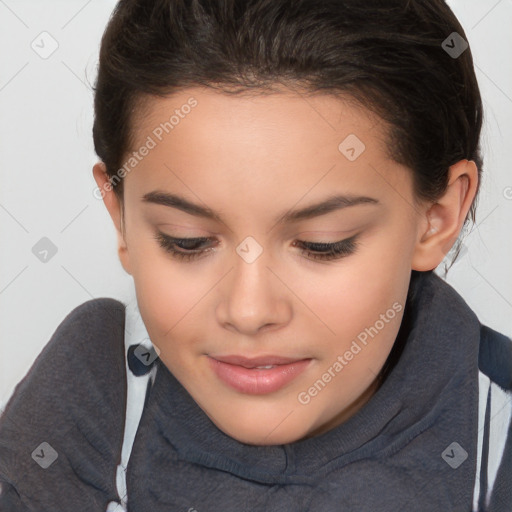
(46, 182)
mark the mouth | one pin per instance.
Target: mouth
(257, 376)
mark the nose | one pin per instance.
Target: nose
(253, 298)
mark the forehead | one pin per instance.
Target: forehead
(285, 112)
(268, 144)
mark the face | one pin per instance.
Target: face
(269, 231)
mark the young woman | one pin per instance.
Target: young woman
(284, 177)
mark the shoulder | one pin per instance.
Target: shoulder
(72, 398)
(494, 348)
(493, 371)
(495, 357)
(494, 461)
(87, 346)
(89, 322)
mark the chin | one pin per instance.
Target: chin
(262, 439)
(256, 430)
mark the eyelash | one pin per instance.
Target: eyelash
(323, 252)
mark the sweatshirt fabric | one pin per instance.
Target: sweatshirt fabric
(436, 436)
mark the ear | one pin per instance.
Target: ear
(444, 219)
(115, 209)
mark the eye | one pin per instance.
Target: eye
(191, 247)
(328, 251)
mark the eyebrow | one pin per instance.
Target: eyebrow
(331, 204)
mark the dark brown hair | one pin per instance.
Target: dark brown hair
(387, 55)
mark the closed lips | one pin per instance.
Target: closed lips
(258, 375)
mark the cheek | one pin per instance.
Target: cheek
(166, 300)
(163, 294)
(381, 275)
(352, 296)
(349, 299)
(169, 298)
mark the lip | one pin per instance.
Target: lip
(251, 362)
(239, 372)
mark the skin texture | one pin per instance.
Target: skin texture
(251, 159)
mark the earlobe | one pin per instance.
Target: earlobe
(122, 251)
(445, 218)
(115, 210)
